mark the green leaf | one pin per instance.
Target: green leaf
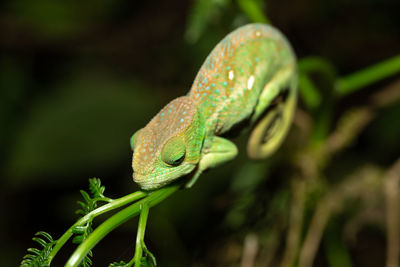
(37, 257)
(90, 203)
(96, 188)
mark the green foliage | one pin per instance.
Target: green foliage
(96, 195)
(202, 12)
(144, 262)
(81, 233)
(118, 264)
(206, 12)
(148, 261)
(253, 10)
(96, 188)
(90, 204)
(39, 257)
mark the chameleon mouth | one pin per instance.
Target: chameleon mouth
(152, 181)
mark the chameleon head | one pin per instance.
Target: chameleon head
(169, 146)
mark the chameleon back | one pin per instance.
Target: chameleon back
(229, 83)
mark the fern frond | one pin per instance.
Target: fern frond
(118, 264)
(81, 232)
(88, 205)
(148, 261)
(39, 257)
(90, 200)
(87, 261)
(96, 188)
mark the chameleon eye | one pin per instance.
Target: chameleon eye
(174, 151)
(133, 139)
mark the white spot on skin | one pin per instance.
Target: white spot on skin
(250, 82)
(231, 76)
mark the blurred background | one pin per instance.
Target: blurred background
(78, 78)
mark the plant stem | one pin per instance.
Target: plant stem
(354, 81)
(317, 65)
(309, 93)
(311, 96)
(140, 234)
(116, 220)
(114, 204)
(391, 187)
(296, 222)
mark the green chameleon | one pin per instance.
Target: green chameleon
(248, 81)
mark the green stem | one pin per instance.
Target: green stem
(321, 104)
(309, 93)
(140, 234)
(354, 81)
(114, 204)
(116, 220)
(317, 65)
(253, 11)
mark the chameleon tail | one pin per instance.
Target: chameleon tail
(271, 129)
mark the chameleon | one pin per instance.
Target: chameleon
(248, 81)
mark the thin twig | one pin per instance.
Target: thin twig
(296, 222)
(314, 234)
(387, 95)
(250, 250)
(392, 181)
(349, 127)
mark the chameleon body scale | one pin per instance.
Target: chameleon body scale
(250, 75)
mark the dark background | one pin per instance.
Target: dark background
(78, 78)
